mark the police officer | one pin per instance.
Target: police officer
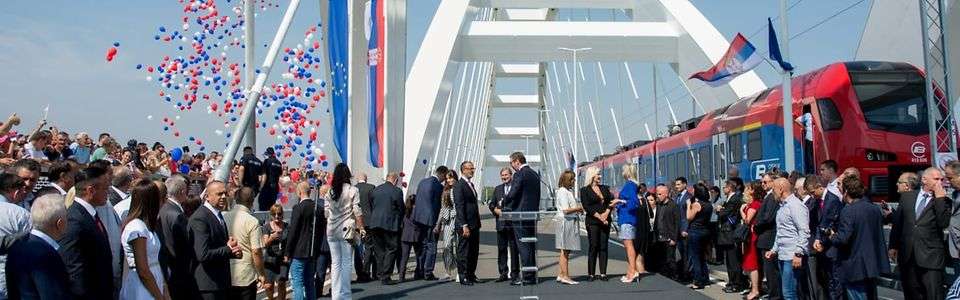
(250, 169)
(270, 180)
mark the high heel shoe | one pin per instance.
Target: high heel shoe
(567, 281)
(559, 279)
(755, 297)
(626, 279)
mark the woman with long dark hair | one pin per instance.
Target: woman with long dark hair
(141, 246)
(699, 209)
(445, 227)
(344, 227)
(410, 238)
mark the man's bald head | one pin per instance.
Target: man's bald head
(782, 188)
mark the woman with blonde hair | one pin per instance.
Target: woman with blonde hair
(598, 203)
(568, 225)
(633, 219)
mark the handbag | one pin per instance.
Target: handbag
(741, 234)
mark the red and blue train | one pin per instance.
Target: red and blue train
(865, 114)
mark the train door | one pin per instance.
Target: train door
(719, 158)
(806, 140)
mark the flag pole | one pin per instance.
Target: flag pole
(786, 87)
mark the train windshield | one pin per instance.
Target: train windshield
(892, 101)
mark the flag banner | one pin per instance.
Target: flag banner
(740, 58)
(375, 22)
(775, 48)
(338, 27)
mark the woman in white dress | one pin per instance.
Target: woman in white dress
(568, 225)
(141, 246)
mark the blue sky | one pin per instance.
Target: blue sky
(52, 52)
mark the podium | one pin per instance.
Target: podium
(527, 220)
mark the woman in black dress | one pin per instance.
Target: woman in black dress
(273, 262)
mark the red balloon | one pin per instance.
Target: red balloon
(176, 133)
(111, 53)
(323, 157)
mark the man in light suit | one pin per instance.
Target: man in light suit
(467, 224)
(34, 268)
(505, 238)
(916, 239)
(524, 196)
(425, 214)
(176, 254)
(385, 217)
(212, 244)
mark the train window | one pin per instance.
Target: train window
(722, 166)
(692, 164)
(706, 163)
(717, 161)
(754, 145)
(673, 166)
(736, 148)
(829, 115)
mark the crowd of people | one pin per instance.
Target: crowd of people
(786, 236)
(80, 223)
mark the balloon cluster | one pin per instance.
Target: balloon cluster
(207, 71)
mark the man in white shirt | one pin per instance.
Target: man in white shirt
(13, 218)
(34, 149)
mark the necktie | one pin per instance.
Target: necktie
(102, 229)
(222, 222)
(922, 205)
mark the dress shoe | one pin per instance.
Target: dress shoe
(731, 289)
(387, 281)
(591, 278)
(418, 276)
(402, 279)
(604, 277)
(430, 277)
(516, 282)
(502, 278)
(466, 282)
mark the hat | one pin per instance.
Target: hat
(268, 151)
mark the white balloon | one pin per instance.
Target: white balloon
(149, 117)
(177, 117)
(218, 132)
(149, 78)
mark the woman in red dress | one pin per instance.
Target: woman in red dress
(751, 260)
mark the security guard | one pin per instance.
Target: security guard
(270, 180)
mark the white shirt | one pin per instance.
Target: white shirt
(122, 208)
(119, 192)
(31, 152)
(176, 203)
(46, 238)
(60, 189)
(834, 188)
(86, 205)
(216, 212)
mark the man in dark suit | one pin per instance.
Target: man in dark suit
(728, 216)
(176, 254)
(365, 260)
(119, 185)
(829, 216)
(680, 188)
(34, 269)
(505, 237)
(766, 230)
(818, 268)
(666, 233)
(84, 246)
(860, 243)
(385, 218)
(524, 196)
(426, 211)
(212, 245)
(467, 224)
(916, 239)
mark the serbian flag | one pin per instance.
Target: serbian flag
(740, 58)
(375, 42)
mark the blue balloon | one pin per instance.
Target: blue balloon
(184, 169)
(176, 154)
(324, 163)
